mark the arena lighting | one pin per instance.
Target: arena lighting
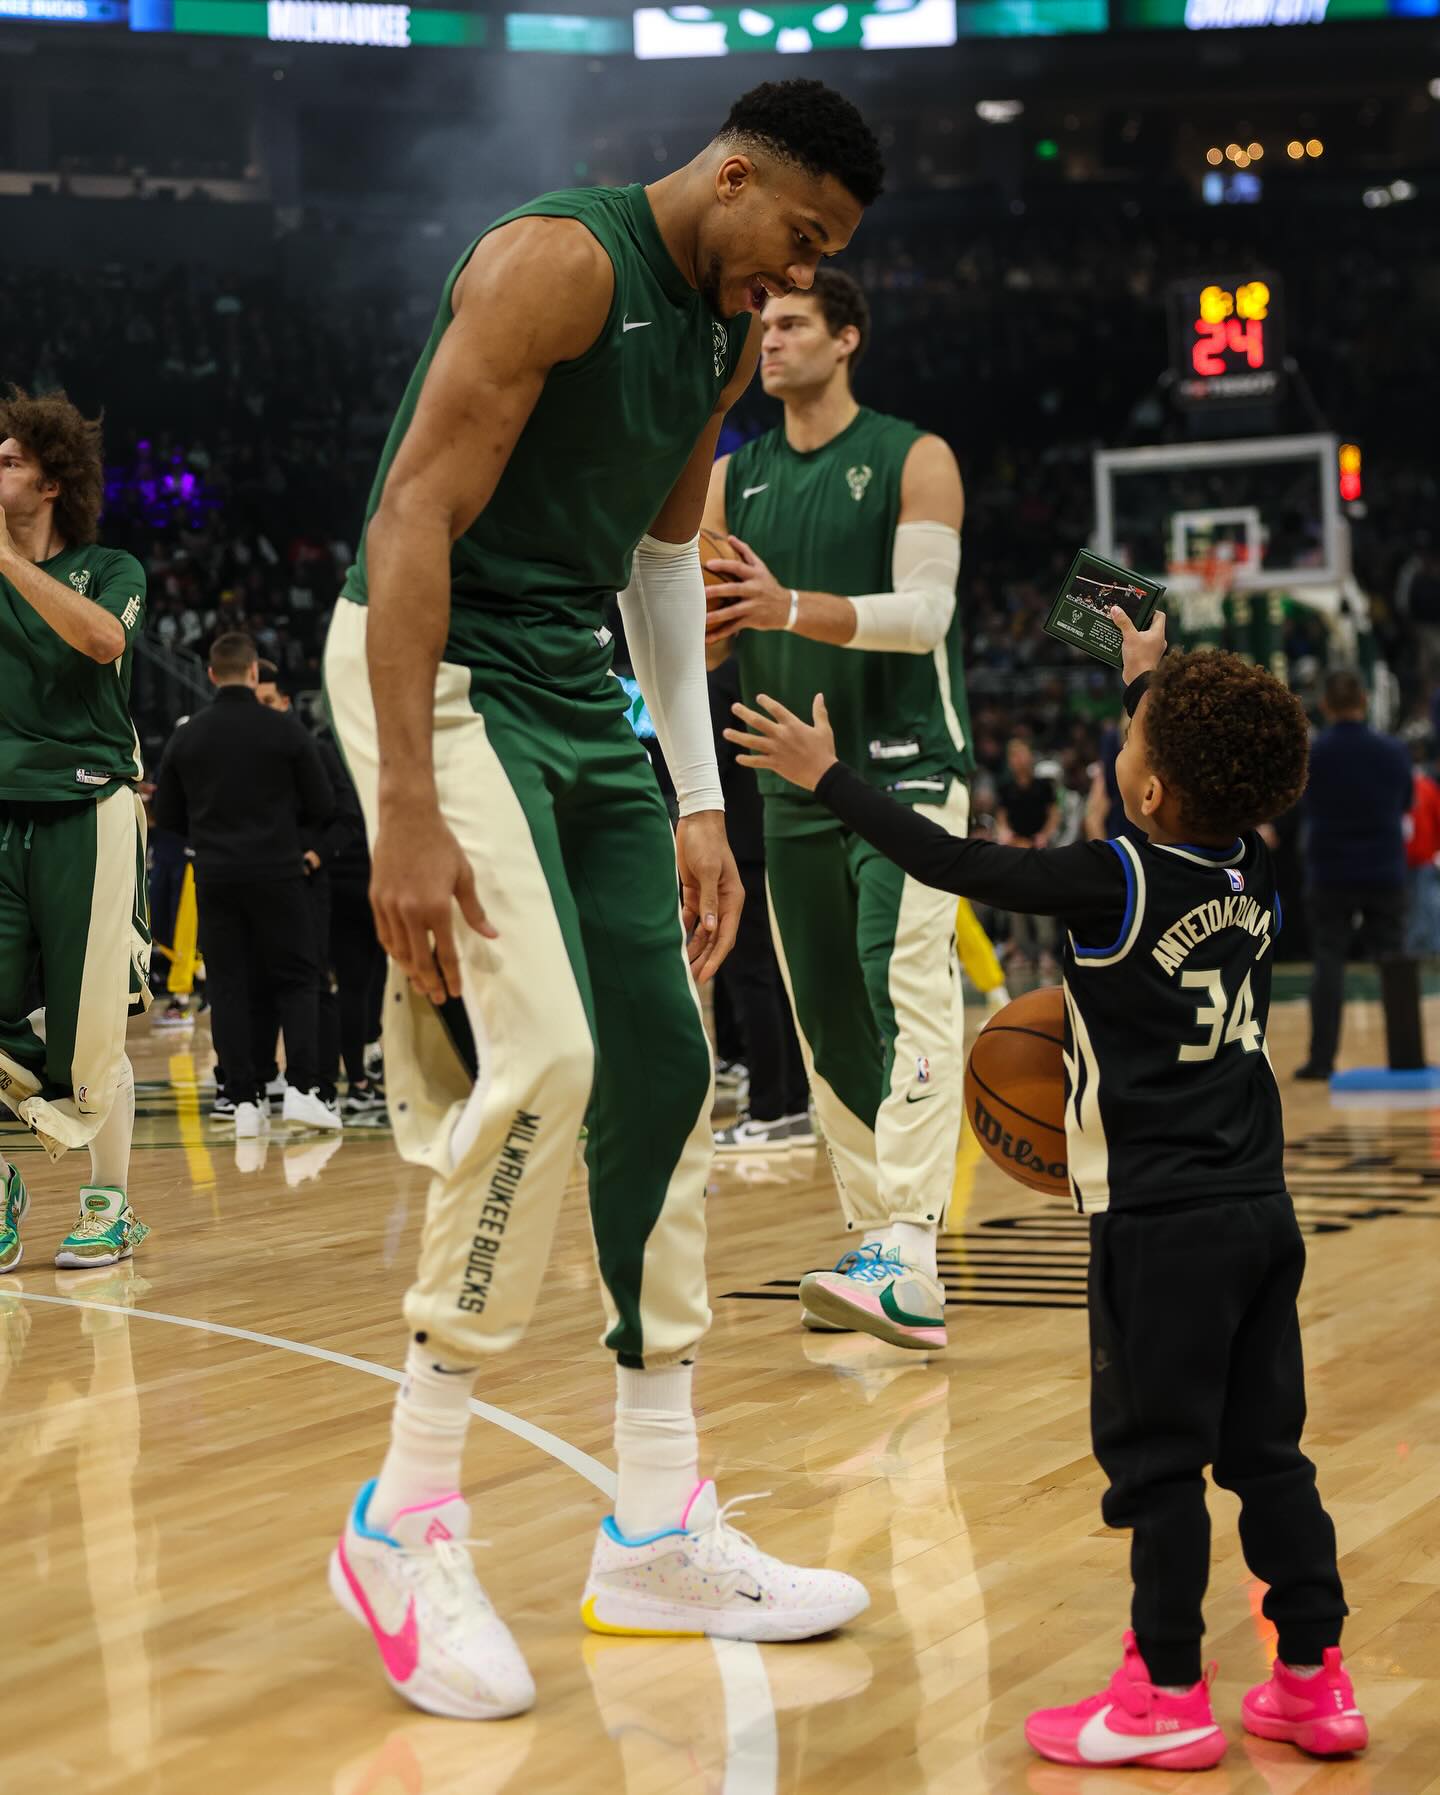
(1233, 151)
(1350, 482)
(1256, 151)
(1242, 160)
(1375, 197)
(1214, 157)
(999, 112)
(1294, 149)
(1402, 190)
(1314, 147)
(1435, 89)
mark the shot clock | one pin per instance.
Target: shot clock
(1227, 339)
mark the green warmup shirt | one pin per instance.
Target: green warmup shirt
(609, 436)
(65, 729)
(824, 521)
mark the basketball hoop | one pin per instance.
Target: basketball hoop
(1197, 590)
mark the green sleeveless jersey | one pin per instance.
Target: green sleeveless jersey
(606, 442)
(825, 521)
(65, 729)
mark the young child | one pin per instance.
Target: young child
(1175, 1138)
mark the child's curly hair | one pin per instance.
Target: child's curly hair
(1227, 739)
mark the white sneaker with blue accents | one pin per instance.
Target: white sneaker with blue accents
(704, 1577)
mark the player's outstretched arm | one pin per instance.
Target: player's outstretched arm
(1083, 882)
(535, 292)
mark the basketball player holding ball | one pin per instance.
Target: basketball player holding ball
(1175, 1139)
(553, 447)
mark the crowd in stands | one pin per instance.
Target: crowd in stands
(243, 420)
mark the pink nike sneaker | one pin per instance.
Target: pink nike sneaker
(1132, 1722)
(1316, 1713)
(442, 1645)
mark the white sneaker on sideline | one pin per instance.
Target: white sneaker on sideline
(748, 1135)
(277, 1086)
(248, 1121)
(706, 1578)
(308, 1109)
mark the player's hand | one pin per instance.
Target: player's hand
(780, 743)
(1141, 650)
(418, 874)
(311, 861)
(711, 892)
(751, 598)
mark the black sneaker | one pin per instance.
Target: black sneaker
(363, 1100)
(222, 1109)
(1312, 1074)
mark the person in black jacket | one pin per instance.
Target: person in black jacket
(352, 977)
(1361, 789)
(242, 784)
(1175, 1141)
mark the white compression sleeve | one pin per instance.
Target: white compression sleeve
(663, 609)
(913, 619)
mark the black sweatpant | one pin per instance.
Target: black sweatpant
(1379, 911)
(751, 979)
(261, 931)
(1196, 1361)
(358, 961)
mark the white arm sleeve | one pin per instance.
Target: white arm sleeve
(913, 619)
(663, 609)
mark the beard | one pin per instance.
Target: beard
(710, 283)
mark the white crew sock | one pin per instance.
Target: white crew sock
(915, 1243)
(657, 1451)
(110, 1144)
(1304, 1671)
(427, 1434)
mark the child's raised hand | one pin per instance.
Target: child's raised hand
(1141, 650)
(781, 743)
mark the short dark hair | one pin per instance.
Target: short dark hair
(67, 447)
(842, 303)
(1345, 691)
(1227, 739)
(231, 654)
(808, 123)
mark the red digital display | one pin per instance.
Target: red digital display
(1226, 340)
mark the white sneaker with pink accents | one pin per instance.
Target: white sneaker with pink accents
(704, 1577)
(442, 1645)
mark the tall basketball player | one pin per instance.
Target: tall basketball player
(74, 936)
(846, 527)
(552, 448)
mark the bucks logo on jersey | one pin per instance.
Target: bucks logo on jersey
(857, 479)
(722, 349)
(81, 581)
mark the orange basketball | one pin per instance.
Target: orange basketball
(1015, 1090)
(714, 548)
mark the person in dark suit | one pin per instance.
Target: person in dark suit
(244, 785)
(1354, 809)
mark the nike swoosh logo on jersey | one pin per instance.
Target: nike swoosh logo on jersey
(910, 1097)
(400, 1650)
(1097, 1744)
(636, 324)
(750, 491)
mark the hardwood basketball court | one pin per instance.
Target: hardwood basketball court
(182, 1437)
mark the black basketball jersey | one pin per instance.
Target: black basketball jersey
(1170, 1095)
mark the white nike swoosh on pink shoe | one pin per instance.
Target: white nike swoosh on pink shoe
(1098, 1744)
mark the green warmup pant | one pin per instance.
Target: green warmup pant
(74, 939)
(868, 958)
(584, 1003)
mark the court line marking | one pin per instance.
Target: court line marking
(752, 1743)
(580, 1462)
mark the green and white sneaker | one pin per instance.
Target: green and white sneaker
(106, 1232)
(16, 1202)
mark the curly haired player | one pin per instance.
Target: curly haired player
(1175, 1136)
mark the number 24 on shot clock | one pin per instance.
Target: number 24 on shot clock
(1227, 339)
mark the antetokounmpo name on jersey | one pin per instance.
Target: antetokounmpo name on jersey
(1205, 920)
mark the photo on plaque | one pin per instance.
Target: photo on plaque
(1080, 614)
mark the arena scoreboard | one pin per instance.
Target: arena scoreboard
(1227, 339)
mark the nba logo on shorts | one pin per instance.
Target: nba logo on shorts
(922, 1070)
(1237, 880)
